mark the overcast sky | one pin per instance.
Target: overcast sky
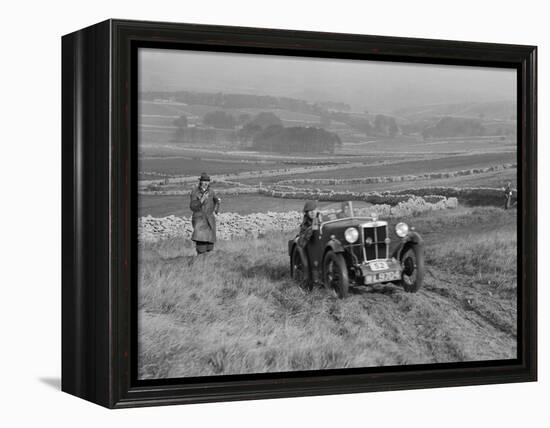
(371, 85)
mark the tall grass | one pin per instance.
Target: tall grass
(236, 310)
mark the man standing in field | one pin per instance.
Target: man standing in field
(204, 203)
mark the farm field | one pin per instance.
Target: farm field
(171, 109)
(252, 318)
(163, 205)
(222, 152)
(178, 205)
(178, 165)
(416, 166)
(157, 128)
(496, 179)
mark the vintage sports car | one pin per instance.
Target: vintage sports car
(345, 250)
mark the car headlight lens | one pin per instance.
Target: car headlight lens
(351, 234)
(401, 229)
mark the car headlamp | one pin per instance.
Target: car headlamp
(351, 234)
(401, 229)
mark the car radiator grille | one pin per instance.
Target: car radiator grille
(379, 248)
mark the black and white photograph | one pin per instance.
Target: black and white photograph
(300, 213)
(279, 214)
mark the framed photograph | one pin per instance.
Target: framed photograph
(254, 213)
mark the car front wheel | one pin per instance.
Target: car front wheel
(335, 274)
(412, 261)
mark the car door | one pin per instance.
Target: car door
(315, 251)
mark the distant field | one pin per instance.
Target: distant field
(157, 127)
(176, 150)
(161, 206)
(418, 145)
(194, 166)
(171, 109)
(161, 109)
(158, 120)
(152, 113)
(194, 162)
(490, 179)
(450, 163)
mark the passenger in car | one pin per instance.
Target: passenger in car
(346, 210)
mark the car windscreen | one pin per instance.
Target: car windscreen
(335, 211)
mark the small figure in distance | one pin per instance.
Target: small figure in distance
(508, 196)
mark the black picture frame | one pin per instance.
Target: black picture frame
(99, 217)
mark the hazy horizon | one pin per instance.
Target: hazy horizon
(370, 85)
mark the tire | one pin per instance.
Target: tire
(299, 270)
(412, 260)
(335, 274)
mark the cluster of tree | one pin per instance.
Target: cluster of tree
(219, 119)
(415, 127)
(265, 119)
(257, 124)
(382, 126)
(276, 138)
(385, 126)
(181, 123)
(449, 126)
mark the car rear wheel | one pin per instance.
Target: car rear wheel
(335, 274)
(412, 260)
(299, 270)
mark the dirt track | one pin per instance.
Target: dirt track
(455, 319)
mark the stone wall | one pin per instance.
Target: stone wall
(232, 225)
(395, 178)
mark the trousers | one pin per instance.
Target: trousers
(203, 246)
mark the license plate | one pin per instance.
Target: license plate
(378, 265)
(382, 277)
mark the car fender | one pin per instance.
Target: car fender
(334, 245)
(293, 246)
(412, 238)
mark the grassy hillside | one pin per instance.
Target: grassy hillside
(237, 311)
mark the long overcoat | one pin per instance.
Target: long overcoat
(203, 220)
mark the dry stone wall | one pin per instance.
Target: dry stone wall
(232, 225)
(467, 195)
(395, 178)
